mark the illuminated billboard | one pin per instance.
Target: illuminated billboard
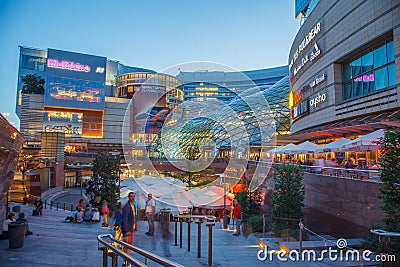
(75, 80)
(151, 109)
(69, 123)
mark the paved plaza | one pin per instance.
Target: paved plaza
(56, 243)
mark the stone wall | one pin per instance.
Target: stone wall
(351, 200)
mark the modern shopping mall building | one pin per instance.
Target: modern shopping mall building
(87, 98)
(344, 69)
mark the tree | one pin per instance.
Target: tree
(250, 201)
(105, 179)
(390, 188)
(287, 200)
(33, 84)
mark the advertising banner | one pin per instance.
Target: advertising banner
(75, 80)
(65, 122)
(151, 109)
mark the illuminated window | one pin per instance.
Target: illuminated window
(372, 71)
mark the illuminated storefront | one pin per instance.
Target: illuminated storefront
(343, 70)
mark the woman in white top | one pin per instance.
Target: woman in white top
(10, 218)
(96, 216)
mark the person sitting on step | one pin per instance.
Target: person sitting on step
(22, 219)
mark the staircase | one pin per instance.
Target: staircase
(18, 190)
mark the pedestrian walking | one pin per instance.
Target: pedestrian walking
(150, 211)
(237, 210)
(128, 221)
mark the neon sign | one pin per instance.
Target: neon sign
(365, 78)
(67, 65)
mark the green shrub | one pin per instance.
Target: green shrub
(256, 222)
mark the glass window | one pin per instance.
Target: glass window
(380, 56)
(347, 90)
(390, 51)
(367, 61)
(392, 74)
(356, 67)
(357, 88)
(368, 85)
(381, 78)
(346, 72)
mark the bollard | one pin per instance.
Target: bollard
(57, 205)
(114, 259)
(176, 232)
(105, 260)
(188, 222)
(50, 205)
(45, 204)
(210, 225)
(301, 226)
(198, 239)
(180, 234)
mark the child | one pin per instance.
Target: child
(96, 216)
(79, 216)
(87, 215)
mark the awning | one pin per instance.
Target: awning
(367, 142)
(333, 146)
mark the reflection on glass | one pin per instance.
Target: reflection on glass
(367, 62)
(356, 67)
(346, 72)
(357, 88)
(392, 74)
(390, 51)
(381, 78)
(380, 56)
(347, 90)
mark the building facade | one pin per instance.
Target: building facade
(225, 86)
(344, 70)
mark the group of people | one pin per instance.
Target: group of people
(84, 213)
(11, 219)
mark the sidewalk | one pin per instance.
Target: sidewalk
(55, 243)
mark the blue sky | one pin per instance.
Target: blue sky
(153, 34)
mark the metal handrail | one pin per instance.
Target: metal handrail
(205, 217)
(381, 232)
(127, 257)
(340, 172)
(64, 205)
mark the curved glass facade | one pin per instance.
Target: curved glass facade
(130, 83)
(245, 119)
